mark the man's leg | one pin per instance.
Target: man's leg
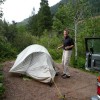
(67, 56)
(63, 59)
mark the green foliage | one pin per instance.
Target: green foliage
(1, 12)
(12, 33)
(68, 13)
(33, 25)
(56, 55)
(3, 28)
(51, 42)
(57, 25)
(6, 50)
(81, 62)
(55, 7)
(63, 17)
(43, 20)
(2, 89)
(22, 40)
(1, 78)
(44, 16)
(9, 31)
(21, 28)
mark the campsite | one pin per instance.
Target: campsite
(49, 49)
(78, 87)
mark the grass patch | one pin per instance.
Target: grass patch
(7, 59)
(1, 78)
(2, 89)
(58, 61)
(26, 78)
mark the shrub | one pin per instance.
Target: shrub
(23, 40)
(6, 49)
(2, 89)
(51, 42)
(1, 77)
(81, 62)
(55, 54)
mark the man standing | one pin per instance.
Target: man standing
(67, 46)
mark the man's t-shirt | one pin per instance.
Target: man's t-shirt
(67, 42)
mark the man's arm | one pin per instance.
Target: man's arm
(69, 47)
(60, 47)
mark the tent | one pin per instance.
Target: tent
(36, 62)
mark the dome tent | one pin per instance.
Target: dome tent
(36, 62)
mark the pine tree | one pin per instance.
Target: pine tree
(44, 17)
(1, 12)
(33, 25)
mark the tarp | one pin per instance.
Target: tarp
(36, 62)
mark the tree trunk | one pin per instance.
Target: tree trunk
(76, 39)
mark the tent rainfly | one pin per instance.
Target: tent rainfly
(36, 62)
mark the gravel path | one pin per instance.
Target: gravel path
(81, 86)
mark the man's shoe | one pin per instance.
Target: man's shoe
(68, 76)
(65, 76)
(57, 73)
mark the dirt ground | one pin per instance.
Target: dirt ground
(81, 86)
